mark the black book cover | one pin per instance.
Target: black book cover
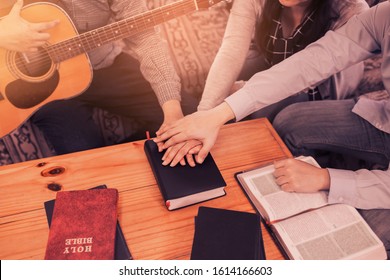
(199, 183)
(222, 234)
(121, 250)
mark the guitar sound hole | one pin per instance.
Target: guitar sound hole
(34, 64)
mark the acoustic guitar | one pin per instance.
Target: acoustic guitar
(61, 69)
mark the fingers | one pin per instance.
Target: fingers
(287, 187)
(41, 37)
(42, 26)
(15, 11)
(171, 132)
(195, 150)
(182, 162)
(159, 146)
(163, 133)
(38, 36)
(281, 180)
(204, 151)
(174, 154)
(190, 160)
(179, 152)
(178, 138)
(280, 176)
(279, 172)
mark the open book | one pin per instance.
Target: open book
(305, 225)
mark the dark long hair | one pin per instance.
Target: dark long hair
(325, 16)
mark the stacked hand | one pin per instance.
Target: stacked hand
(193, 134)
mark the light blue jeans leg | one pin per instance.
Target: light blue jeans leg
(330, 127)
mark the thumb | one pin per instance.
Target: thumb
(15, 11)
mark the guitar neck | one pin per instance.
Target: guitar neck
(93, 39)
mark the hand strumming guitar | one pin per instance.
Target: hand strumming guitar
(17, 34)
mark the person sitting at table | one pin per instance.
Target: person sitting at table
(281, 28)
(143, 86)
(357, 130)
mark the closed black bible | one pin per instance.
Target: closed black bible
(222, 234)
(181, 186)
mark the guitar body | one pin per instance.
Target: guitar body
(27, 83)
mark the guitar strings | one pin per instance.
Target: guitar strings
(64, 45)
(65, 49)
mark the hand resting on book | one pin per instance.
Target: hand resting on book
(294, 175)
(180, 153)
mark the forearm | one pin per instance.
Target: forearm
(151, 52)
(222, 114)
(363, 189)
(231, 56)
(329, 55)
(172, 110)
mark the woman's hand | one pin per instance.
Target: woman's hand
(202, 126)
(177, 153)
(294, 175)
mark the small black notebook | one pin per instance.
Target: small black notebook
(121, 250)
(222, 234)
(181, 186)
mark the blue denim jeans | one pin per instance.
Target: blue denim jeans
(329, 131)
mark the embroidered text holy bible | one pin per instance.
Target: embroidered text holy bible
(83, 225)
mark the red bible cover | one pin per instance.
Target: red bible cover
(83, 225)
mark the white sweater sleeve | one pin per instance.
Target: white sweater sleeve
(231, 56)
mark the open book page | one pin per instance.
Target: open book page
(332, 232)
(271, 201)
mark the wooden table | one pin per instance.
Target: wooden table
(151, 231)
